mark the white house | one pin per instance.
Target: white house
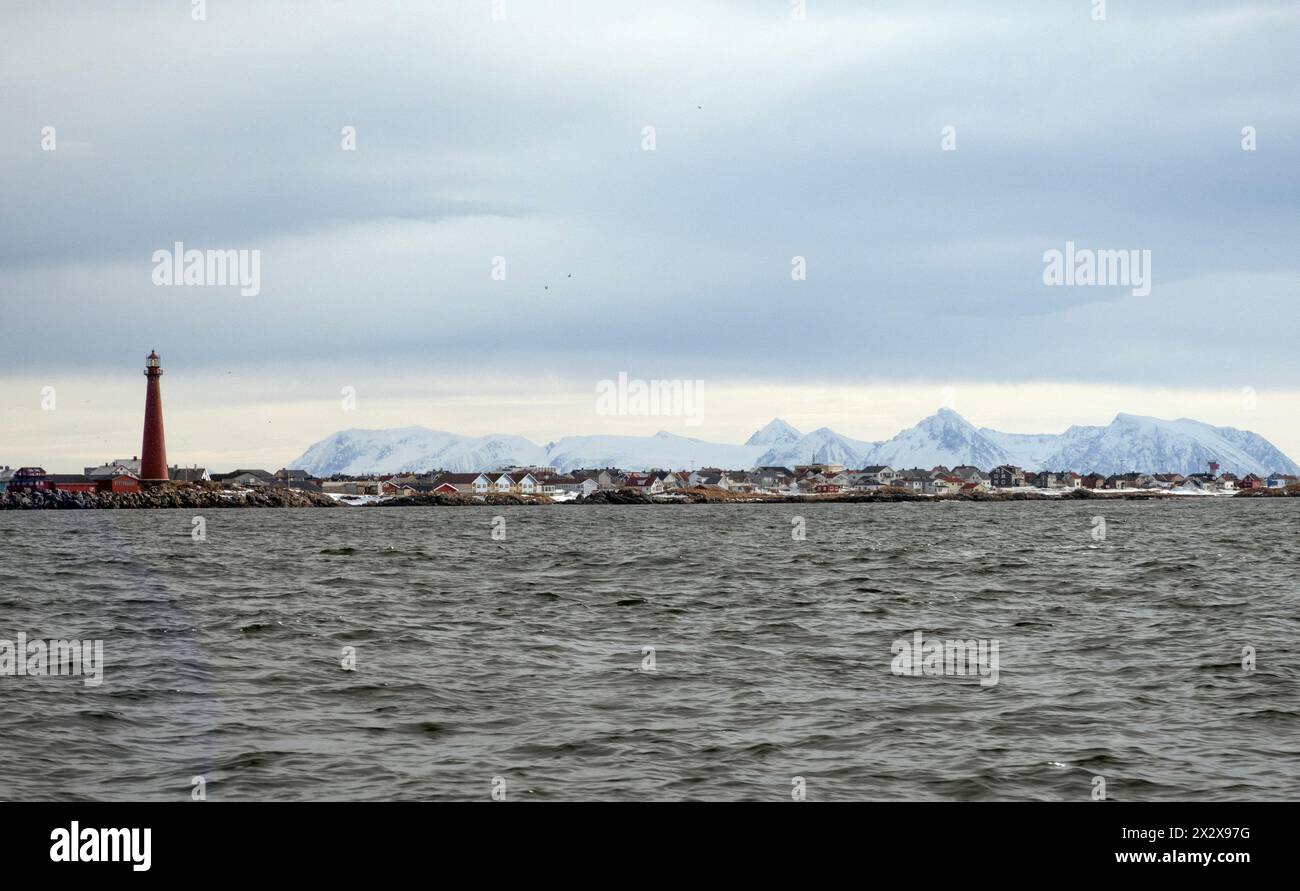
(476, 483)
(525, 483)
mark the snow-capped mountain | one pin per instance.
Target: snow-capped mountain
(420, 449)
(360, 451)
(943, 438)
(822, 446)
(776, 434)
(1130, 442)
(493, 450)
(1031, 451)
(416, 449)
(663, 450)
(1133, 442)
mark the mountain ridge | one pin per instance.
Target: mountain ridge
(1129, 442)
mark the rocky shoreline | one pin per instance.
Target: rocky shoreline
(712, 496)
(701, 496)
(461, 501)
(200, 498)
(190, 497)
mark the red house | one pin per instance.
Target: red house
(1094, 481)
(1250, 481)
(123, 482)
(30, 478)
(70, 482)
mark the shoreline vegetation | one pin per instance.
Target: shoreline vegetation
(197, 496)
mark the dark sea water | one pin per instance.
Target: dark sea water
(522, 659)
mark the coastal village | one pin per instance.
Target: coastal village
(148, 481)
(812, 481)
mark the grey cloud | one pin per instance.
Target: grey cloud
(522, 139)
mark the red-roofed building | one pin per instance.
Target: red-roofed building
(644, 483)
(33, 479)
(70, 482)
(475, 483)
(122, 483)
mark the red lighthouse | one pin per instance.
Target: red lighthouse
(153, 453)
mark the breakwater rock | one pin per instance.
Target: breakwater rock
(881, 496)
(1291, 491)
(189, 497)
(617, 496)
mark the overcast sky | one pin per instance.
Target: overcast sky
(524, 138)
